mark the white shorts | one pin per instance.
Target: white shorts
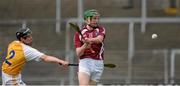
(94, 68)
(9, 80)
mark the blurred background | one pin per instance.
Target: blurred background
(129, 27)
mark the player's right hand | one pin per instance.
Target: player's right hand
(65, 64)
(87, 42)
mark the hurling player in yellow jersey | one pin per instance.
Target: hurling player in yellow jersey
(20, 52)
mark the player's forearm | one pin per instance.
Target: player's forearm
(98, 39)
(47, 58)
(80, 50)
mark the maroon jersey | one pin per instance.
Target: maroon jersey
(98, 48)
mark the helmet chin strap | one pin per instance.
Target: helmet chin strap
(94, 27)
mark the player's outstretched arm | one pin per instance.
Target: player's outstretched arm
(48, 58)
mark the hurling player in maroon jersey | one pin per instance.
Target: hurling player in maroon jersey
(90, 49)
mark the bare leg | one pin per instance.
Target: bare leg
(83, 79)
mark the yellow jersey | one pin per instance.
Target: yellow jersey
(17, 55)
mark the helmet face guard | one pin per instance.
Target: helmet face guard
(90, 14)
(23, 32)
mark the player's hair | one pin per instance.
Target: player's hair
(23, 32)
(90, 13)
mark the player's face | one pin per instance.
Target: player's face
(27, 40)
(94, 21)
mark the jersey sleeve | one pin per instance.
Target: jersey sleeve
(32, 53)
(77, 41)
(102, 31)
